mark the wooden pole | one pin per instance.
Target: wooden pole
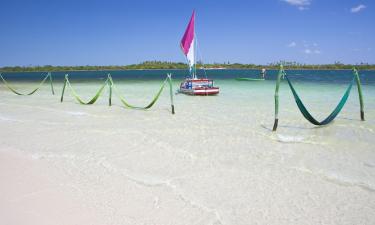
(63, 89)
(280, 74)
(110, 89)
(171, 91)
(51, 83)
(359, 87)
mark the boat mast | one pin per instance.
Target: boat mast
(195, 51)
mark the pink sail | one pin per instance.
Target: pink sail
(187, 42)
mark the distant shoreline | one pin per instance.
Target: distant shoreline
(158, 65)
(109, 70)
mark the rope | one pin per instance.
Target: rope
(33, 91)
(199, 53)
(304, 110)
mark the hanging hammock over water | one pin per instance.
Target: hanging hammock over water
(109, 82)
(153, 101)
(34, 90)
(77, 97)
(331, 116)
(304, 110)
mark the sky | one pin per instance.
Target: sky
(41, 32)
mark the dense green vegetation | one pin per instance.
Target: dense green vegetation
(180, 65)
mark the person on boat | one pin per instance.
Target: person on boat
(263, 73)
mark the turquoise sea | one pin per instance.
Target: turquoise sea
(216, 161)
(317, 76)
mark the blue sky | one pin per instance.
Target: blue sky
(126, 32)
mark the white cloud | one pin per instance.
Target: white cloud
(309, 51)
(311, 48)
(361, 49)
(358, 8)
(292, 44)
(300, 4)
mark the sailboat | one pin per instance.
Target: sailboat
(194, 85)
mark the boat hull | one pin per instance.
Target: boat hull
(197, 86)
(200, 91)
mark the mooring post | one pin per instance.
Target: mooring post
(359, 87)
(51, 82)
(171, 90)
(109, 79)
(63, 89)
(279, 75)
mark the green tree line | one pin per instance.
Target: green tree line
(180, 65)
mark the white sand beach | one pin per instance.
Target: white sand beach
(216, 161)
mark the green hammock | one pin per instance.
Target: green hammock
(109, 82)
(331, 116)
(34, 90)
(126, 104)
(302, 107)
(78, 98)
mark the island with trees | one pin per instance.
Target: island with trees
(151, 65)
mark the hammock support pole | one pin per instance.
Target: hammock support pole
(63, 89)
(359, 87)
(279, 75)
(51, 83)
(110, 83)
(171, 90)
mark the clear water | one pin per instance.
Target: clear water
(216, 161)
(317, 76)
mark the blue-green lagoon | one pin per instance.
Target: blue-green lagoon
(216, 161)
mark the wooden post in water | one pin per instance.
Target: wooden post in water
(51, 83)
(63, 89)
(171, 91)
(109, 79)
(281, 73)
(359, 87)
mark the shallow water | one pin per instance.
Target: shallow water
(317, 76)
(216, 161)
